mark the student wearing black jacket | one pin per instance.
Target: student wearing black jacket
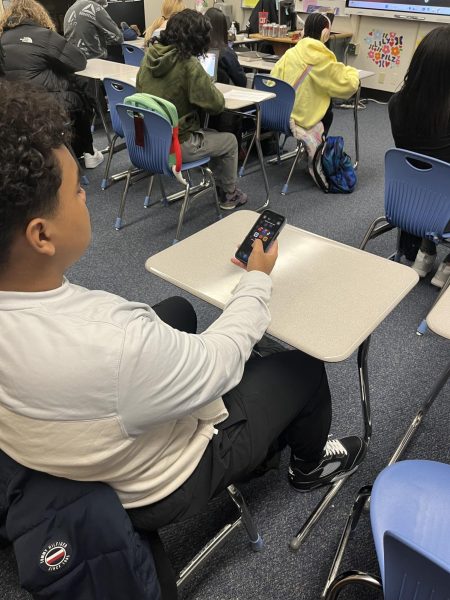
(34, 52)
(420, 122)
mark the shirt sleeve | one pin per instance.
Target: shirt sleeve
(106, 25)
(165, 374)
(230, 63)
(202, 92)
(64, 56)
(342, 80)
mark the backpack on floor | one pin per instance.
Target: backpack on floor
(333, 169)
(168, 111)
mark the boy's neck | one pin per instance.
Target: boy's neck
(30, 279)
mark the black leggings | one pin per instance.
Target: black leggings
(282, 399)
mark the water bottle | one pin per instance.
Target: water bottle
(232, 33)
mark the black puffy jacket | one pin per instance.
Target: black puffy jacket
(72, 539)
(43, 57)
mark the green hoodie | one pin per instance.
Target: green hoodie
(184, 82)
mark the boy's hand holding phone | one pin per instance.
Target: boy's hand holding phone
(259, 250)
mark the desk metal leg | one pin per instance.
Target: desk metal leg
(336, 582)
(261, 157)
(298, 539)
(355, 118)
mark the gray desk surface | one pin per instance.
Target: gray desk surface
(327, 297)
(438, 319)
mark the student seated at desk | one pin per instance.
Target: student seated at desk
(127, 394)
(90, 28)
(324, 77)
(36, 53)
(420, 121)
(168, 8)
(170, 70)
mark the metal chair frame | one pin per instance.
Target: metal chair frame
(153, 159)
(275, 117)
(398, 171)
(244, 519)
(337, 582)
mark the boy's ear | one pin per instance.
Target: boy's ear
(38, 237)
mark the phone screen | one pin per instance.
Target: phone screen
(266, 228)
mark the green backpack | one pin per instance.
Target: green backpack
(168, 111)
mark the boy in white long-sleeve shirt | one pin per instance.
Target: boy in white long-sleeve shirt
(96, 388)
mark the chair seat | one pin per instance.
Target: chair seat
(196, 163)
(411, 499)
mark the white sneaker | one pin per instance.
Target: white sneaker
(93, 160)
(424, 263)
(441, 275)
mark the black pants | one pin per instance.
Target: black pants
(282, 399)
(327, 119)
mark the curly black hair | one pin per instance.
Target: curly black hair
(32, 125)
(189, 32)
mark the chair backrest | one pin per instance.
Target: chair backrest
(411, 573)
(409, 512)
(417, 193)
(275, 113)
(116, 92)
(148, 136)
(132, 55)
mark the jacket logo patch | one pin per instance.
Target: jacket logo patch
(89, 10)
(55, 556)
(26, 40)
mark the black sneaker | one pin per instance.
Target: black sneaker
(340, 457)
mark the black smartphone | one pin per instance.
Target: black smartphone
(266, 228)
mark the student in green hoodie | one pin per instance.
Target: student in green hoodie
(325, 77)
(171, 71)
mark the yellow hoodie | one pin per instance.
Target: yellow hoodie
(327, 79)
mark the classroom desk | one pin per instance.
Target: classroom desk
(327, 297)
(259, 64)
(281, 44)
(438, 320)
(236, 99)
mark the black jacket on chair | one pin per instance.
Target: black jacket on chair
(43, 57)
(72, 539)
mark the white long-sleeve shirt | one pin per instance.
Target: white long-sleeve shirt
(96, 388)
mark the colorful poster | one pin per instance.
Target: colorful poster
(384, 48)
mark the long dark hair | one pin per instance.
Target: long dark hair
(189, 32)
(425, 96)
(219, 29)
(315, 23)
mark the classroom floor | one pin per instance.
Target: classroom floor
(402, 368)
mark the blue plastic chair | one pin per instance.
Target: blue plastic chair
(410, 516)
(116, 92)
(132, 55)
(152, 157)
(416, 200)
(275, 117)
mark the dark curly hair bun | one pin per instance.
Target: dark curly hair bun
(32, 124)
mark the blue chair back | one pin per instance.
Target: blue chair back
(410, 517)
(132, 55)
(417, 196)
(148, 137)
(275, 113)
(117, 91)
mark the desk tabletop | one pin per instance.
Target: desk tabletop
(327, 297)
(237, 97)
(438, 319)
(98, 68)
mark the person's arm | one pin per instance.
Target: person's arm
(342, 80)
(165, 374)
(107, 26)
(201, 90)
(64, 56)
(230, 63)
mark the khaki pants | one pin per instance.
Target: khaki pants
(223, 150)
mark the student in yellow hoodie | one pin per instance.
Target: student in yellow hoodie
(323, 76)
